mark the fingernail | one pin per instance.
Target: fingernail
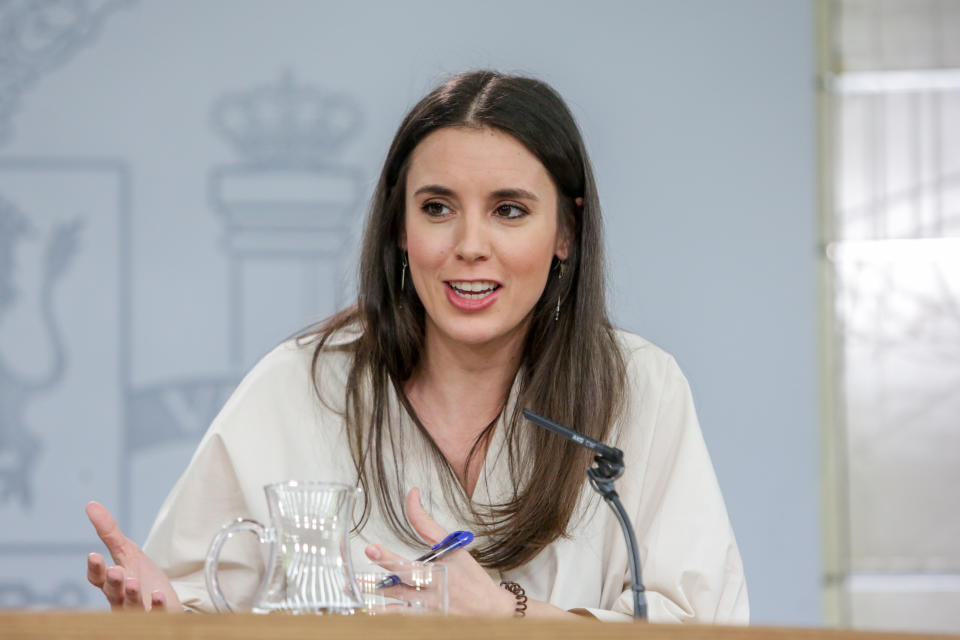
(373, 552)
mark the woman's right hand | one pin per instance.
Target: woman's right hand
(135, 582)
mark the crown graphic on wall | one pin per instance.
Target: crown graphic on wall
(286, 123)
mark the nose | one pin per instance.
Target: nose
(473, 241)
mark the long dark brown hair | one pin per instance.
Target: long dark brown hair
(571, 368)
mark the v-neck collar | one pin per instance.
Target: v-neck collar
(494, 482)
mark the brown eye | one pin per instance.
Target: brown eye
(511, 211)
(435, 209)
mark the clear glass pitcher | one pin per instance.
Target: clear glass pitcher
(308, 567)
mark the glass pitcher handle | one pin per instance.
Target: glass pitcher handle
(212, 566)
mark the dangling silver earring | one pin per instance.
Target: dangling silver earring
(403, 271)
(563, 267)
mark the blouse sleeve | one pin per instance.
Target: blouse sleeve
(691, 566)
(259, 436)
(207, 496)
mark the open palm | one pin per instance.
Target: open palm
(135, 581)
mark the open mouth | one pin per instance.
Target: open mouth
(473, 290)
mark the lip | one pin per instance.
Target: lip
(466, 304)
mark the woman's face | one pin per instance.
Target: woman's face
(481, 229)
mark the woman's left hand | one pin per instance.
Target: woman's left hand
(471, 591)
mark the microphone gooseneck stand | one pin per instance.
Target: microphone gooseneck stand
(609, 461)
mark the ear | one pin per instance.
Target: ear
(563, 245)
(565, 234)
(402, 241)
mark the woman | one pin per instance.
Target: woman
(481, 293)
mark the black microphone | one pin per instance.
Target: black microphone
(612, 454)
(609, 467)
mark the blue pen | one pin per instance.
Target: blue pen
(452, 542)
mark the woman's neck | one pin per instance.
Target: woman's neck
(463, 379)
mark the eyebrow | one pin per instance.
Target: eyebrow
(515, 193)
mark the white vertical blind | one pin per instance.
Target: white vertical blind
(894, 90)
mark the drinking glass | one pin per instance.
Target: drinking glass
(421, 590)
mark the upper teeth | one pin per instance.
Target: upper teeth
(481, 285)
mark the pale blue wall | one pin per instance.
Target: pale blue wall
(699, 117)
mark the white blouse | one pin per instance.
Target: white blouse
(274, 429)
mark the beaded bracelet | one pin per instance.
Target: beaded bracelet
(520, 595)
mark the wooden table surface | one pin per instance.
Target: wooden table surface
(31, 625)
